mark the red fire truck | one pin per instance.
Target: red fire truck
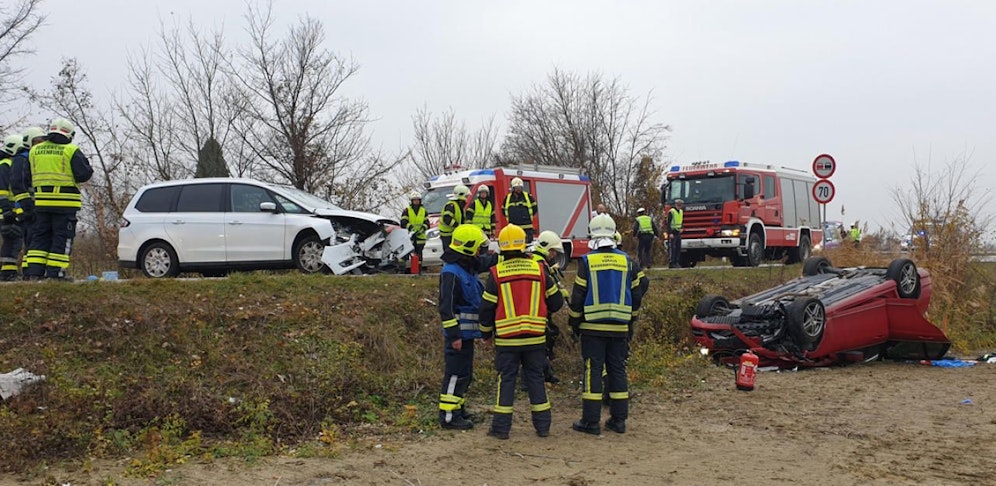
(562, 194)
(746, 212)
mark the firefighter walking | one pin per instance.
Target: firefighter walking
(459, 301)
(517, 297)
(604, 306)
(414, 219)
(452, 214)
(646, 232)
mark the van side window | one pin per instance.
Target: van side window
(158, 200)
(287, 205)
(769, 186)
(246, 199)
(201, 198)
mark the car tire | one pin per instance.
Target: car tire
(802, 252)
(687, 260)
(815, 266)
(755, 250)
(903, 271)
(159, 260)
(308, 254)
(712, 305)
(806, 319)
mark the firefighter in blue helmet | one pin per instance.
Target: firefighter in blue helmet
(604, 306)
(459, 300)
(517, 297)
(57, 199)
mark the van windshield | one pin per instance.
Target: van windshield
(434, 199)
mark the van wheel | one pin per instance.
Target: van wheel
(308, 254)
(159, 261)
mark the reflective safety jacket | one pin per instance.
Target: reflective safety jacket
(517, 296)
(459, 302)
(607, 293)
(451, 217)
(482, 215)
(414, 221)
(6, 197)
(519, 209)
(54, 174)
(645, 225)
(674, 217)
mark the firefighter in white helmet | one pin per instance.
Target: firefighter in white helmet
(19, 169)
(604, 305)
(547, 250)
(415, 220)
(520, 207)
(57, 199)
(646, 232)
(452, 213)
(481, 212)
(12, 232)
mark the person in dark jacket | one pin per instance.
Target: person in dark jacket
(604, 306)
(18, 233)
(459, 302)
(517, 297)
(520, 207)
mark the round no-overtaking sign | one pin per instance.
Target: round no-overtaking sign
(824, 166)
(823, 191)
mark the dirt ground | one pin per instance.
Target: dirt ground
(876, 423)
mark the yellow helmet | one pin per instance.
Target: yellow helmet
(467, 239)
(512, 238)
(546, 241)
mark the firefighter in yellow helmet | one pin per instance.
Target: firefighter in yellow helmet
(547, 250)
(520, 207)
(481, 212)
(604, 305)
(517, 297)
(415, 220)
(452, 214)
(459, 302)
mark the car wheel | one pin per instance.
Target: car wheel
(308, 255)
(687, 260)
(712, 305)
(815, 266)
(159, 261)
(755, 250)
(802, 252)
(907, 279)
(806, 321)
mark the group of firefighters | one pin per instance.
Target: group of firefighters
(40, 173)
(512, 310)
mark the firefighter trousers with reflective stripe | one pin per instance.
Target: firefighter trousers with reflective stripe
(457, 375)
(610, 353)
(50, 242)
(507, 362)
(10, 251)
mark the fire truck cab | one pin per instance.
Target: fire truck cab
(562, 195)
(743, 211)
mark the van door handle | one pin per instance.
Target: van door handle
(235, 222)
(179, 221)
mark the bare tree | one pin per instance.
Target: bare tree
(442, 142)
(18, 22)
(296, 121)
(97, 134)
(593, 124)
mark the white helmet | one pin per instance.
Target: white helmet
(641, 211)
(602, 226)
(546, 241)
(483, 189)
(461, 191)
(516, 182)
(30, 134)
(414, 195)
(11, 144)
(62, 127)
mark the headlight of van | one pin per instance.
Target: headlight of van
(433, 233)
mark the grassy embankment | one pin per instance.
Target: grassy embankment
(258, 364)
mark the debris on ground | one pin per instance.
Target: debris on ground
(12, 383)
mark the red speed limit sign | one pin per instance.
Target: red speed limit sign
(823, 191)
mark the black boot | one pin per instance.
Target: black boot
(587, 427)
(616, 425)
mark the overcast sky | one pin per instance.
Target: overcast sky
(879, 85)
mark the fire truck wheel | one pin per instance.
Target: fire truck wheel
(712, 305)
(904, 272)
(806, 319)
(755, 250)
(802, 252)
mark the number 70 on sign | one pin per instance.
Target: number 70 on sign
(823, 191)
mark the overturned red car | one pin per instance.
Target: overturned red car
(828, 316)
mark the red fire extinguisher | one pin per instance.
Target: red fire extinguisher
(747, 371)
(415, 270)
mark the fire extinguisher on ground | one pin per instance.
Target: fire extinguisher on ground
(747, 371)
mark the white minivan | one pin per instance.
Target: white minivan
(214, 225)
